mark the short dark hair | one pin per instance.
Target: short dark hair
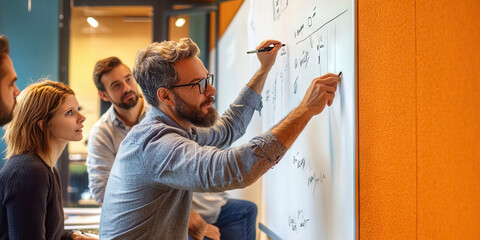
(4, 49)
(104, 66)
(4, 46)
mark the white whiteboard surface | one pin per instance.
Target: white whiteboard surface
(310, 194)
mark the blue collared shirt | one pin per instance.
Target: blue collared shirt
(103, 143)
(159, 164)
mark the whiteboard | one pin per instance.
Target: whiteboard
(310, 194)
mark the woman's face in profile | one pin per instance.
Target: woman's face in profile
(67, 123)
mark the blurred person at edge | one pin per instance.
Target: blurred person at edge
(8, 77)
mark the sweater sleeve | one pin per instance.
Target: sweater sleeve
(67, 235)
(26, 204)
(233, 123)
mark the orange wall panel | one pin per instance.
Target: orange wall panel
(386, 121)
(448, 76)
(227, 11)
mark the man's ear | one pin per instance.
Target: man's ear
(165, 96)
(41, 124)
(103, 95)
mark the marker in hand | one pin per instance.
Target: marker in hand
(265, 49)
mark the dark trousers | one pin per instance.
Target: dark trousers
(237, 220)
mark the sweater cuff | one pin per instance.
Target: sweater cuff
(67, 235)
(267, 145)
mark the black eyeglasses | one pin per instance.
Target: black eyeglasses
(202, 84)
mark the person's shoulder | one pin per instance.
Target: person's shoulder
(157, 127)
(23, 167)
(104, 121)
(154, 131)
(25, 160)
(104, 127)
(29, 162)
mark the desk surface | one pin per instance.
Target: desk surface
(82, 220)
(82, 211)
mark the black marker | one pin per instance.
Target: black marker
(265, 49)
(340, 74)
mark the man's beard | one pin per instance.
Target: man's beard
(126, 105)
(6, 114)
(194, 114)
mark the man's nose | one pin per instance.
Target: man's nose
(17, 91)
(210, 91)
(126, 87)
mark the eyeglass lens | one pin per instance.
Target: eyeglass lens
(203, 84)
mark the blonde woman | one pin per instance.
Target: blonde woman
(46, 118)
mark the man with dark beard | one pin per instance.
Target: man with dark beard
(8, 77)
(181, 147)
(115, 84)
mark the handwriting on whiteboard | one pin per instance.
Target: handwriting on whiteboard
(278, 7)
(313, 176)
(298, 221)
